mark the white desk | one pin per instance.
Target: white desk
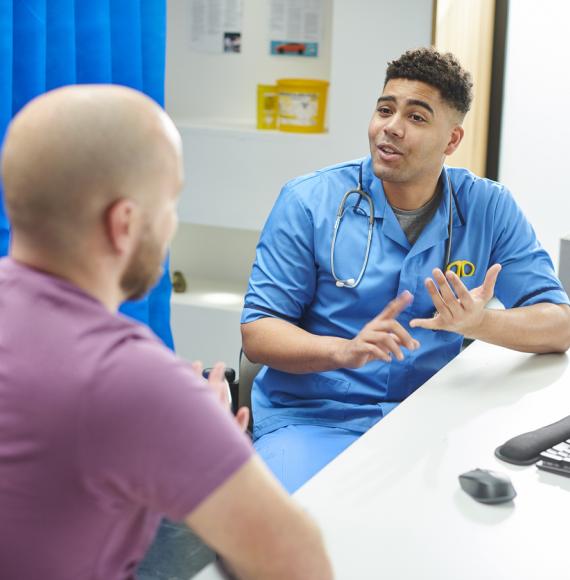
(391, 507)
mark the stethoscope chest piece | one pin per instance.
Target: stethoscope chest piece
(351, 283)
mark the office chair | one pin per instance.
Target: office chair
(247, 373)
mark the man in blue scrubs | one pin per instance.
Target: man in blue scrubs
(341, 350)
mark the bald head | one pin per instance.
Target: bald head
(72, 152)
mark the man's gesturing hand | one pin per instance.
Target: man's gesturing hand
(458, 309)
(382, 338)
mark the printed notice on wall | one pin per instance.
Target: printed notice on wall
(215, 25)
(295, 27)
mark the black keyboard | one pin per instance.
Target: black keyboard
(556, 459)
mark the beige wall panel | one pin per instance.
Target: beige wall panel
(465, 28)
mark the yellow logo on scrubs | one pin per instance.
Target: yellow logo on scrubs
(463, 268)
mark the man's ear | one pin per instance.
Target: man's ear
(456, 137)
(120, 221)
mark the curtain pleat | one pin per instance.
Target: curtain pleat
(6, 48)
(60, 44)
(45, 44)
(126, 63)
(93, 41)
(153, 34)
(29, 56)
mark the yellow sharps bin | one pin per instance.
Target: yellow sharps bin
(302, 105)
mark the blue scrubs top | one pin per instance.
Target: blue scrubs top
(291, 279)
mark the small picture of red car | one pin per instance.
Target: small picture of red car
(291, 47)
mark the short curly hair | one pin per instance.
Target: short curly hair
(440, 70)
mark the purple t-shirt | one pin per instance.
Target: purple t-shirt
(102, 430)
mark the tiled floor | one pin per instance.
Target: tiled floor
(176, 554)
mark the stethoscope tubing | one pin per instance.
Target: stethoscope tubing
(351, 282)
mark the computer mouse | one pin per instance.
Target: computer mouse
(487, 486)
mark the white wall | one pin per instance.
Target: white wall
(223, 86)
(366, 35)
(535, 143)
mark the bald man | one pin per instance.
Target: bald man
(102, 429)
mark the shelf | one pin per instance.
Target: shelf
(212, 294)
(248, 128)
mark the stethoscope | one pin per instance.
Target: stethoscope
(351, 282)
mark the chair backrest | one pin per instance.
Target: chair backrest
(247, 372)
(564, 262)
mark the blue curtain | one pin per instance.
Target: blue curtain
(46, 44)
